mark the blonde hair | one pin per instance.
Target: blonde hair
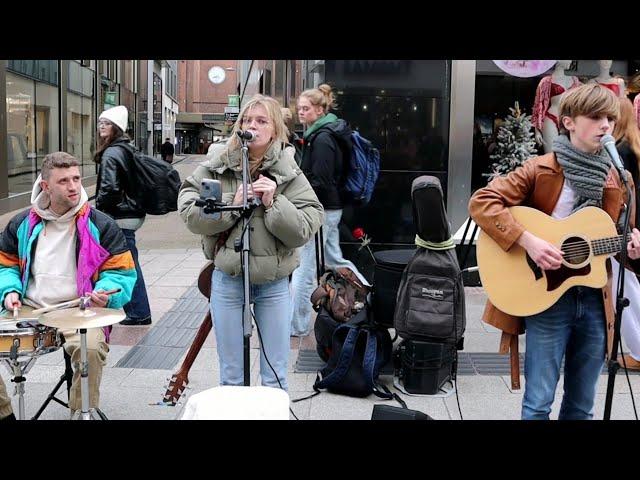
(322, 96)
(274, 112)
(634, 83)
(627, 128)
(589, 100)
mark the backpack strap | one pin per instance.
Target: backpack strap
(369, 358)
(389, 395)
(344, 360)
(369, 364)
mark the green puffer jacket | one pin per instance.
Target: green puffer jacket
(294, 217)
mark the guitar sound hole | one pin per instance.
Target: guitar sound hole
(576, 250)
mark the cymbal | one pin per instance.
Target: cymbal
(93, 317)
(24, 313)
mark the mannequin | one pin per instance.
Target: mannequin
(604, 78)
(547, 103)
(634, 92)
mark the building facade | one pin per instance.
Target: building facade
(52, 105)
(210, 93)
(203, 97)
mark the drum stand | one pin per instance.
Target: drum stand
(18, 369)
(67, 376)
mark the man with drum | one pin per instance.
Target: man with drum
(58, 250)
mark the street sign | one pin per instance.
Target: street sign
(230, 116)
(233, 100)
(110, 98)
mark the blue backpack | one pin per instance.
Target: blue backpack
(362, 171)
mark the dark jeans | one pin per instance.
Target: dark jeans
(573, 328)
(138, 307)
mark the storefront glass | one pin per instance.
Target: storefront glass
(21, 136)
(81, 129)
(402, 107)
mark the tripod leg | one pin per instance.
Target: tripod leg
(66, 376)
(100, 414)
(51, 396)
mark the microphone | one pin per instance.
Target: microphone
(609, 144)
(247, 135)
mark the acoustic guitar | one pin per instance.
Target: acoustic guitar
(517, 286)
(180, 379)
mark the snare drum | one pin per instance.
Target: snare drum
(31, 340)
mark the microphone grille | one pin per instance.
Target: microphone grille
(607, 139)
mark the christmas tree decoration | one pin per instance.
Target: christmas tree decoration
(515, 143)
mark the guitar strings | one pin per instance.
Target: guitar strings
(572, 250)
(602, 248)
(582, 245)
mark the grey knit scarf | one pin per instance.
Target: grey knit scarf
(586, 172)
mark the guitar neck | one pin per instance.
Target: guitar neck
(197, 343)
(604, 246)
(180, 379)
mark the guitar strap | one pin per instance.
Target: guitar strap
(509, 344)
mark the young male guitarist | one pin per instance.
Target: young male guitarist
(576, 174)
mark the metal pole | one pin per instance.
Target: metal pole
(84, 375)
(246, 310)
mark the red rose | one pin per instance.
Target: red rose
(358, 233)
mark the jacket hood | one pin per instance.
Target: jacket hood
(41, 203)
(339, 129)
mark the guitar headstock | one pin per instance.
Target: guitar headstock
(176, 388)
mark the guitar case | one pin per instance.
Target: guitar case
(430, 301)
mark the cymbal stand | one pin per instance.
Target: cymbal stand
(85, 413)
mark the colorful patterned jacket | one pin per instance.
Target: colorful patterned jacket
(103, 258)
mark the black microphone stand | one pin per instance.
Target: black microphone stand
(212, 205)
(621, 303)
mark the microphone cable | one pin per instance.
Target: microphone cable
(264, 352)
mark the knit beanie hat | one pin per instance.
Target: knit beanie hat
(117, 115)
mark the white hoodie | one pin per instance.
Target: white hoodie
(52, 276)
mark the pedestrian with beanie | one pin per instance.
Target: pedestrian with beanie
(115, 196)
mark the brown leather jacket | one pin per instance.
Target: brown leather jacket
(538, 184)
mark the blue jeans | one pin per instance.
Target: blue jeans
(574, 328)
(271, 304)
(303, 281)
(138, 307)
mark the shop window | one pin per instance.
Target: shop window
(21, 141)
(47, 121)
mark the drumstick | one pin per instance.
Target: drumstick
(69, 304)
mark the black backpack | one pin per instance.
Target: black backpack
(358, 352)
(157, 182)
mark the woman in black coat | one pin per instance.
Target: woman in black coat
(114, 196)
